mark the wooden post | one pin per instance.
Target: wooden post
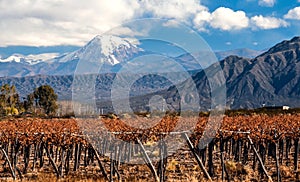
(26, 151)
(120, 154)
(85, 160)
(245, 152)
(222, 157)
(210, 158)
(281, 146)
(203, 155)
(55, 155)
(129, 152)
(41, 154)
(35, 156)
(287, 151)
(259, 159)
(277, 163)
(196, 156)
(76, 157)
(296, 141)
(163, 160)
(262, 154)
(111, 179)
(79, 154)
(148, 160)
(52, 162)
(115, 158)
(61, 169)
(67, 163)
(9, 163)
(100, 163)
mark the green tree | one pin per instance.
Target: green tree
(29, 103)
(46, 98)
(9, 99)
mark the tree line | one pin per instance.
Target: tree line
(43, 100)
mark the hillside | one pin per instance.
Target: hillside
(272, 78)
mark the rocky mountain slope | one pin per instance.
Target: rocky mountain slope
(272, 78)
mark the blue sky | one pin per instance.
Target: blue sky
(224, 24)
(258, 39)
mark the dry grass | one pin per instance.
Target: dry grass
(239, 172)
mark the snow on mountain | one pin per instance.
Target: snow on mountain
(111, 43)
(15, 58)
(113, 59)
(104, 49)
(29, 59)
(111, 51)
(34, 59)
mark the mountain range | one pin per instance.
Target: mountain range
(270, 78)
(110, 51)
(244, 52)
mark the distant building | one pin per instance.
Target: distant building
(276, 107)
(285, 107)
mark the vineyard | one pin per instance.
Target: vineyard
(256, 147)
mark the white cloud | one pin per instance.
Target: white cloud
(52, 22)
(293, 13)
(171, 23)
(268, 3)
(177, 9)
(227, 19)
(201, 20)
(262, 22)
(56, 22)
(125, 31)
(228, 43)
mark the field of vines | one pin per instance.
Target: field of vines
(254, 147)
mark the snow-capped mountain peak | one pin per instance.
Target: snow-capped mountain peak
(108, 52)
(107, 49)
(110, 43)
(29, 59)
(12, 58)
